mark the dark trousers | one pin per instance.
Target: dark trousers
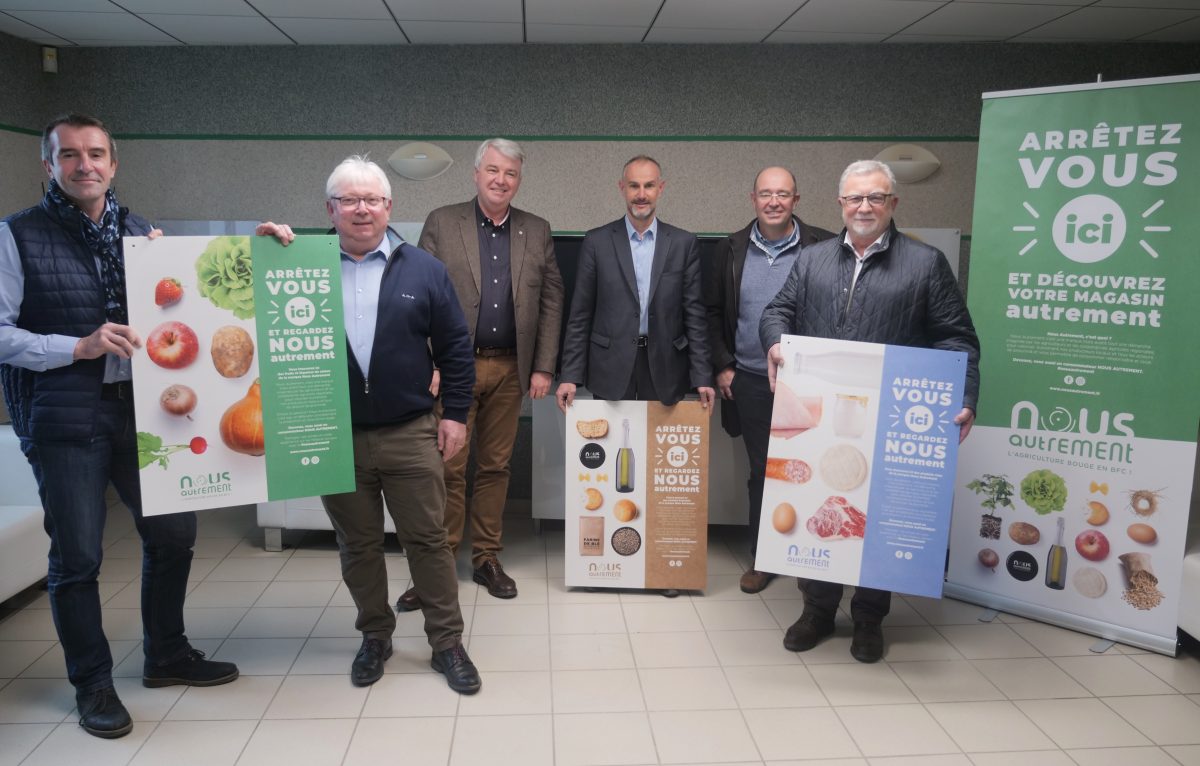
(641, 385)
(400, 465)
(866, 605)
(753, 398)
(72, 479)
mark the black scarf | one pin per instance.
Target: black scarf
(104, 239)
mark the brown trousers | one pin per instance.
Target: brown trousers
(402, 466)
(492, 420)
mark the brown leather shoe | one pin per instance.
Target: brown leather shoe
(409, 601)
(753, 581)
(491, 575)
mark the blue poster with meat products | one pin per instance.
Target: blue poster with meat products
(860, 464)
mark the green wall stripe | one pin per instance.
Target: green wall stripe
(22, 131)
(419, 137)
(548, 137)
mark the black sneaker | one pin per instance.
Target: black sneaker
(192, 670)
(101, 713)
(461, 674)
(867, 644)
(807, 632)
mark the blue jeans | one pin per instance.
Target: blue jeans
(72, 478)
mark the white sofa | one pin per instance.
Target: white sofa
(23, 541)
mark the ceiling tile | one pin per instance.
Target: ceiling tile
(722, 14)
(17, 28)
(904, 37)
(467, 11)
(117, 42)
(323, 9)
(1064, 3)
(218, 30)
(996, 20)
(862, 16)
(188, 7)
(661, 34)
(801, 36)
(342, 31)
(1187, 32)
(94, 6)
(1188, 5)
(582, 34)
(461, 32)
(1106, 24)
(93, 26)
(614, 13)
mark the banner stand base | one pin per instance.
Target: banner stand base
(1104, 630)
(1100, 647)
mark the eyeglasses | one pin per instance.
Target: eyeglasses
(352, 203)
(854, 200)
(782, 196)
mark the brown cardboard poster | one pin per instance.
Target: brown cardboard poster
(677, 488)
(636, 506)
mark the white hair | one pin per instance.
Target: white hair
(356, 169)
(866, 168)
(510, 149)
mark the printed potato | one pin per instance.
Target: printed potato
(1023, 533)
(232, 351)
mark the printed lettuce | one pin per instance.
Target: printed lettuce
(225, 275)
(1044, 491)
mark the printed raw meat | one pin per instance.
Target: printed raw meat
(795, 471)
(793, 415)
(836, 519)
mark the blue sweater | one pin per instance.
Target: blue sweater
(419, 323)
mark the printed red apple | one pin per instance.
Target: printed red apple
(1092, 545)
(172, 345)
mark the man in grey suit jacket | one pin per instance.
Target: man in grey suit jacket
(637, 327)
(501, 262)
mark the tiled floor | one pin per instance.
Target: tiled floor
(572, 677)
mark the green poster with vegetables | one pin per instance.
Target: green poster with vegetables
(1074, 486)
(240, 388)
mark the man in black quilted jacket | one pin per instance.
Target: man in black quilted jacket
(872, 284)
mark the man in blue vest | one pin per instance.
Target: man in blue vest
(65, 346)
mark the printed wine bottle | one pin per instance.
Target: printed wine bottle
(1056, 562)
(625, 461)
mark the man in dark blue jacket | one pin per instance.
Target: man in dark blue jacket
(402, 319)
(65, 345)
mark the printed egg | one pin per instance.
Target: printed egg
(1142, 533)
(784, 518)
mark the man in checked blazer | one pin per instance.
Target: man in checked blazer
(637, 327)
(501, 262)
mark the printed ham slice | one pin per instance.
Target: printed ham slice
(793, 415)
(836, 519)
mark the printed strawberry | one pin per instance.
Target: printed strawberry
(167, 291)
(198, 445)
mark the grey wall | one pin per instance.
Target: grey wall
(251, 132)
(639, 90)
